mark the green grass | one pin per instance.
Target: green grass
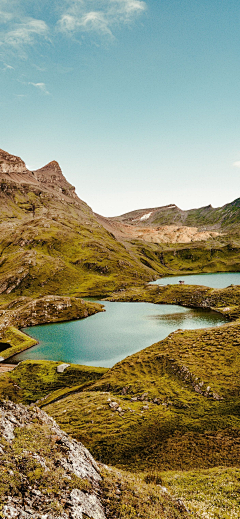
(19, 341)
(127, 496)
(206, 494)
(32, 380)
(211, 494)
(164, 436)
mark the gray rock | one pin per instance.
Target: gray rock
(86, 504)
(114, 405)
(61, 368)
(75, 459)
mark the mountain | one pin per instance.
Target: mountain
(205, 218)
(53, 243)
(51, 240)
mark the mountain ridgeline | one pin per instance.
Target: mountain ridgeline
(53, 243)
(205, 218)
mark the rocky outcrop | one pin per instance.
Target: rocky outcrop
(26, 495)
(50, 177)
(10, 164)
(48, 309)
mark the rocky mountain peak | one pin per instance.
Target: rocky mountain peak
(52, 177)
(49, 177)
(11, 164)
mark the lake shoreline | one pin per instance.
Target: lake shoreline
(221, 301)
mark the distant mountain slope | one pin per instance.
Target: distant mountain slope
(203, 218)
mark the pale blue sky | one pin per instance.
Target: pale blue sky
(139, 101)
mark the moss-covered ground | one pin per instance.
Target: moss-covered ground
(30, 462)
(206, 494)
(169, 413)
(33, 380)
(17, 340)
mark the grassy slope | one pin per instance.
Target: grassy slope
(186, 393)
(72, 253)
(32, 380)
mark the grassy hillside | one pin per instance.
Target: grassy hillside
(34, 380)
(169, 414)
(60, 248)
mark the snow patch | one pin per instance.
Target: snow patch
(146, 216)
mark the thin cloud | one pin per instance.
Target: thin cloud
(26, 32)
(5, 17)
(19, 30)
(99, 17)
(8, 67)
(41, 87)
(236, 164)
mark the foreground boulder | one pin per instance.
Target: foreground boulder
(46, 475)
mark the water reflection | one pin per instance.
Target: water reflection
(183, 320)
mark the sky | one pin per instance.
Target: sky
(138, 101)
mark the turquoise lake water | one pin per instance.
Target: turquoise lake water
(217, 280)
(108, 337)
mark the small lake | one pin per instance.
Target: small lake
(217, 280)
(108, 337)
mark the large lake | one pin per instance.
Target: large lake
(108, 337)
(125, 328)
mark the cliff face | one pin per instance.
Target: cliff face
(10, 164)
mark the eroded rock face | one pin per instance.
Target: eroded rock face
(11, 164)
(50, 177)
(30, 498)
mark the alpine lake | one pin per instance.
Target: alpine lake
(124, 328)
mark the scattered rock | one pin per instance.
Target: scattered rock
(114, 405)
(61, 368)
